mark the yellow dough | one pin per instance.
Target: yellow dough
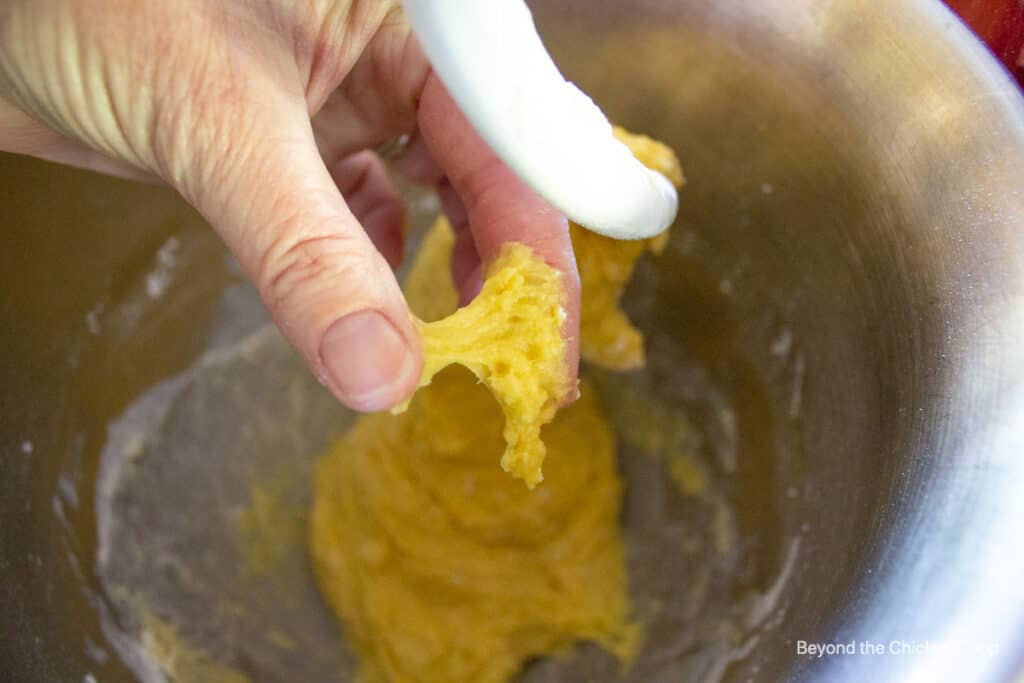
(607, 338)
(510, 336)
(442, 568)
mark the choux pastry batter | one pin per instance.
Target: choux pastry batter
(607, 338)
(442, 567)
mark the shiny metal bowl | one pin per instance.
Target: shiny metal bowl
(847, 274)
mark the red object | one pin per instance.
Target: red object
(1000, 23)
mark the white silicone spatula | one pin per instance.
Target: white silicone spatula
(489, 56)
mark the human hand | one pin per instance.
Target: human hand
(261, 114)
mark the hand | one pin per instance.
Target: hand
(260, 113)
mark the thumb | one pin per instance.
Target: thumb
(269, 195)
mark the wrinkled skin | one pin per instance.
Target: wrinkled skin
(260, 113)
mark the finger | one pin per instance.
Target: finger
(417, 163)
(500, 208)
(465, 261)
(379, 96)
(269, 194)
(467, 271)
(451, 204)
(371, 196)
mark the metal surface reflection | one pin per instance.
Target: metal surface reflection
(853, 229)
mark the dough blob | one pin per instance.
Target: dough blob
(510, 336)
(442, 568)
(607, 338)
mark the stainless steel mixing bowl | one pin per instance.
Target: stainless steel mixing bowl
(848, 265)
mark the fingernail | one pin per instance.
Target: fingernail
(367, 360)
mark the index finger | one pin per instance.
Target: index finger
(501, 208)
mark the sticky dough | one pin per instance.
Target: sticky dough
(442, 567)
(511, 337)
(607, 338)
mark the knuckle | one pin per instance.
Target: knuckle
(354, 174)
(298, 268)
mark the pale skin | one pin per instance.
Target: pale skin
(261, 113)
